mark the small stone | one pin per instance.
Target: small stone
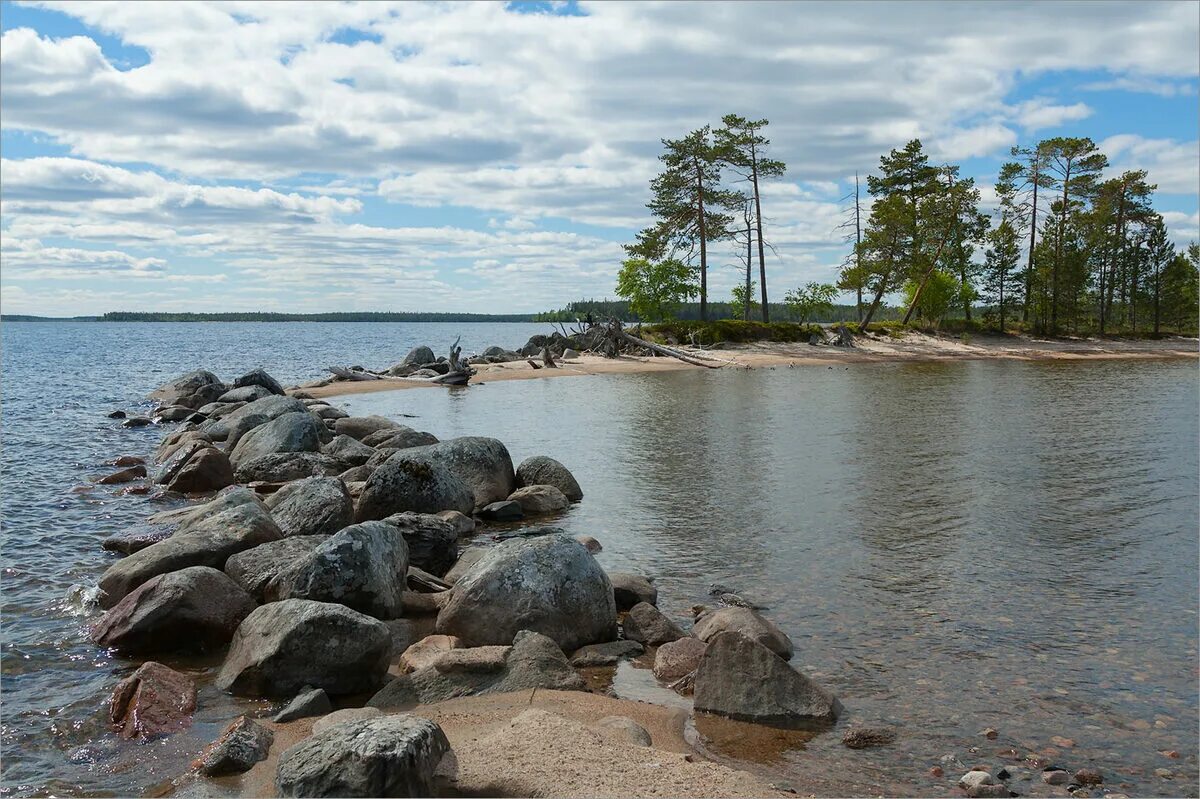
(1055, 776)
(868, 737)
(981, 784)
(1088, 776)
(137, 421)
(1003, 774)
(126, 460)
(1065, 743)
(116, 415)
(589, 543)
(606, 654)
(424, 652)
(937, 771)
(990, 733)
(502, 511)
(309, 702)
(1163, 773)
(1171, 753)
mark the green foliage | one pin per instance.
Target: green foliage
(811, 300)
(655, 288)
(728, 330)
(942, 292)
(743, 306)
(349, 316)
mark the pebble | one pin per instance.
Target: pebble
(990, 733)
(1163, 773)
(1055, 776)
(937, 771)
(1088, 776)
(1171, 753)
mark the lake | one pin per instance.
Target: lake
(952, 546)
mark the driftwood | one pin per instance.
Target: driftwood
(692, 358)
(352, 374)
(533, 363)
(460, 372)
(548, 359)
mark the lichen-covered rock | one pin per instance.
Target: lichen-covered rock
(412, 483)
(432, 541)
(240, 745)
(400, 437)
(359, 427)
(462, 523)
(363, 567)
(284, 646)
(541, 470)
(748, 623)
(205, 469)
(263, 410)
(312, 506)
(245, 394)
(259, 377)
(291, 432)
(647, 625)
(193, 608)
(482, 463)
(255, 570)
(187, 385)
(154, 700)
(382, 756)
(539, 500)
(236, 524)
(741, 678)
(550, 585)
(284, 467)
(348, 451)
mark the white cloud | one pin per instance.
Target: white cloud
(1173, 165)
(1042, 113)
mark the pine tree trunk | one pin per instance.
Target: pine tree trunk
(1032, 244)
(762, 258)
(749, 265)
(857, 245)
(1062, 229)
(703, 245)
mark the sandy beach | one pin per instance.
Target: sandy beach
(868, 349)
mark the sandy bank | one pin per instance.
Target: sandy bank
(912, 347)
(497, 751)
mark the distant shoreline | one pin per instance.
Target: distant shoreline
(335, 318)
(912, 347)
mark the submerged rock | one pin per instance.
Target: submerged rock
(123, 476)
(630, 589)
(743, 679)
(541, 470)
(606, 654)
(549, 585)
(288, 645)
(193, 608)
(866, 737)
(242, 744)
(154, 700)
(383, 756)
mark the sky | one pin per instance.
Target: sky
(493, 157)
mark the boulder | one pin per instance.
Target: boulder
(344, 716)
(482, 463)
(131, 541)
(283, 467)
(645, 624)
(866, 737)
(217, 410)
(541, 470)
(208, 540)
(245, 394)
(242, 744)
(411, 483)
(154, 700)
(284, 646)
(741, 678)
(356, 474)
(184, 386)
(363, 567)
(399, 437)
(625, 729)
(255, 570)
(630, 589)
(137, 421)
(123, 476)
(176, 440)
(462, 523)
(259, 377)
(205, 469)
(432, 542)
(746, 622)
(309, 702)
(679, 658)
(506, 510)
(382, 756)
(348, 451)
(266, 409)
(179, 455)
(589, 543)
(606, 654)
(981, 784)
(359, 427)
(328, 412)
(533, 661)
(550, 585)
(193, 608)
(424, 652)
(466, 559)
(173, 413)
(539, 500)
(291, 432)
(312, 506)
(571, 355)
(418, 356)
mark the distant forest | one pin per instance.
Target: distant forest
(351, 316)
(690, 311)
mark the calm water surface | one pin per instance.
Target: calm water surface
(952, 546)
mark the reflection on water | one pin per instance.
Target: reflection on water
(951, 546)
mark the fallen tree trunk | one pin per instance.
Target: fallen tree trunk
(352, 374)
(694, 360)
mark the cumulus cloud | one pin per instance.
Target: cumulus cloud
(1173, 165)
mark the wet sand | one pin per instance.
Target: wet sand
(868, 349)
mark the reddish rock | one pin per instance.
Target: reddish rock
(676, 659)
(154, 700)
(937, 772)
(123, 476)
(208, 469)
(1088, 776)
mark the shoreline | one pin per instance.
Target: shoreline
(912, 347)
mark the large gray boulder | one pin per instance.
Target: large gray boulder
(202, 468)
(284, 646)
(291, 432)
(186, 386)
(412, 483)
(208, 540)
(312, 506)
(359, 427)
(533, 661)
(193, 609)
(259, 377)
(482, 463)
(381, 756)
(401, 437)
(419, 356)
(432, 541)
(742, 679)
(747, 622)
(283, 467)
(541, 470)
(268, 407)
(348, 451)
(364, 567)
(245, 394)
(255, 570)
(550, 585)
